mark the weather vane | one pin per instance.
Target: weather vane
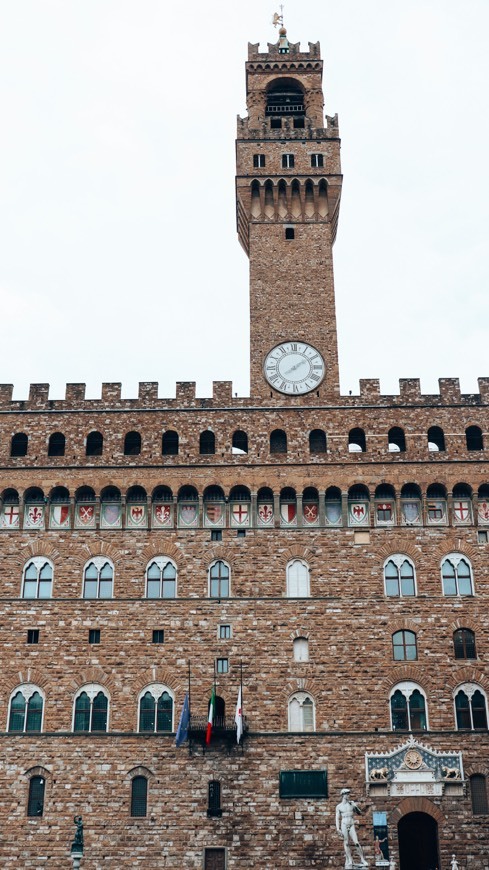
(278, 19)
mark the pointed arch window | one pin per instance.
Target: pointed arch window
(139, 797)
(161, 578)
(37, 580)
(399, 576)
(219, 577)
(298, 579)
(456, 572)
(156, 709)
(91, 709)
(26, 709)
(301, 712)
(470, 708)
(98, 578)
(408, 708)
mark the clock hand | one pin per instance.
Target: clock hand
(297, 365)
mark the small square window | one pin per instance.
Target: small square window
(158, 635)
(216, 535)
(94, 635)
(222, 666)
(317, 161)
(32, 635)
(289, 233)
(224, 632)
(482, 537)
(299, 123)
(276, 123)
(258, 161)
(241, 533)
(288, 161)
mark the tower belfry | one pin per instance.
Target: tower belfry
(288, 187)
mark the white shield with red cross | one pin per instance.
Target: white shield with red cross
(240, 514)
(462, 512)
(10, 516)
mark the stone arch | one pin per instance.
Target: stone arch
(417, 805)
(100, 548)
(36, 548)
(299, 632)
(30, 675)
(139, 770)
(93, 675)
(460, 546)
(151, 550)
(468, 675)
(410, 673)
(463, 622)
(38, 770)
(298, 552)
(398, 545)
(301, 684)
(404, 623)
(476, 768)
(156, 675)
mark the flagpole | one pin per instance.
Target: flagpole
(189, 712)
(242, 707)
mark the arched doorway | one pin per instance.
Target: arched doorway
(418, 842)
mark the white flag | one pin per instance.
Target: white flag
(239, 718)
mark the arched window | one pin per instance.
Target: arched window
(411, 504)
(301, 712)
(240, 442)
(285, 97)
(358, 505)
(474, 438)
(37, 578)
(139, 796)
(317, 441)
(207, 443)
(478, 794)
(396, 440)
(464, 644)
(470, 707)
(98, 577)
(356, 441)
(169, 443)
(301, 649)
(278, 441)
(156, 709)
(56, 445)
(26, 709)
(161, 578)
(35, 802)
(333, 507)
(95, 444)
(404, 647)
(456, 573)
(18, 445)
(91, 709)
(219, 576)
(436, 439)
(436, 504)
(385, 505)
(408, 707)
(298, 579)
(132, 444)
(399, 576)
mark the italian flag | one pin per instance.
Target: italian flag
(210, 720)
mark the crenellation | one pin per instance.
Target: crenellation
(185, 392)
(449, 390)
(410, 389)
(38, 394)
(6, 392)
(111, 392)
(75, 393)
(370, 388)
(222, 392)
(148, 392)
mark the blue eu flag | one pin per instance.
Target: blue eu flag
(183, 725)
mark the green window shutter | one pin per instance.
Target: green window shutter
(303, 784)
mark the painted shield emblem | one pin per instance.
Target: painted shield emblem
(310, 512)
(333, 512)
(484, 511)
(163, 514)
(358, 513)
(214, 514)
(111, 514)
(60, 515)
(11, 516)
(288, 513)
(86, 514)
(240, 514)
(461, 511)
(410, 512)
(188, 514)
(137, 514)
(35, 516)
(265, 514)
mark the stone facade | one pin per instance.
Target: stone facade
(423, 499)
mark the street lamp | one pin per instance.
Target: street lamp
(77, 844)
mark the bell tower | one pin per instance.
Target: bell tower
(288, 187)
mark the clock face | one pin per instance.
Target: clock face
(294, 368)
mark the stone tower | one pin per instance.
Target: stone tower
(288, 188)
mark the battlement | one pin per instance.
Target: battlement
(263, 131)
(222, 397)
(294, 53)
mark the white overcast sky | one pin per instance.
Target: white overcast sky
(118, 253)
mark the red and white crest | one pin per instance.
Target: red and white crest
(484, 511)
(35, 515)
(11, 515)
(240, 514)
(310, 511)
(461, 511)
(288, 513)
(162, 514)
(60, 515)
(265, 514)
(86, 514)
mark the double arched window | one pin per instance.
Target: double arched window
(91, 710)
(161, 578)
(219, 580)
(301, 712)
(470, 707)
(399, 576)
(98, 578)
(408, 707)
(156, 709)
(298, 579)
(37, 578)
(26, 709)
(456, 574)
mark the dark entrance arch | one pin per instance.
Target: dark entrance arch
(418, 842)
